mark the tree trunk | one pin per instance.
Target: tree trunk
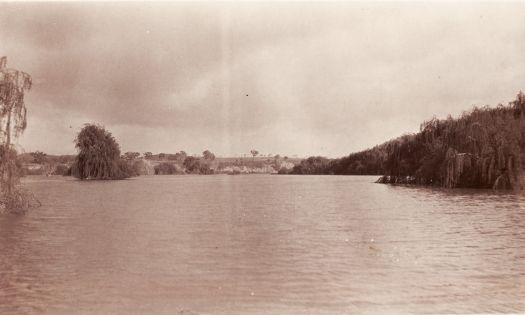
(8, 154)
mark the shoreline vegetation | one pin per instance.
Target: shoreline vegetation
(483, 148)
(99, 158)
(13, 121)
(40, 163)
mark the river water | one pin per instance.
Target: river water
(261, 244)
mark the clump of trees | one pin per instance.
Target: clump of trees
(195, 165)
(314, 165)
(130, 156)
(484, 148)
(180, 163)
(39, 157)
(61, 169)
(13, 122)
(192, 164)
(208, 156)
(166, 168)
(99, 156)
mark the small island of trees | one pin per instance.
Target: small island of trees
(13, 121)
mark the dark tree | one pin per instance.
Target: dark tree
(192, 164)
(483, 148)
(165, 168)
(207, 155)
(39, 157)
(99, 155)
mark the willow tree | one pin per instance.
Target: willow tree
(99, 155)
(13, 85)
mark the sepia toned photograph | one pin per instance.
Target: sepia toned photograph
(273, 158)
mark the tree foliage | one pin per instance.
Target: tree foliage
(39, 157)
(166, 168)
(99, 155)
(314, 165)
(207, 155)
(13, 121)
(192, 164)
(483, 148)
(131, 155)
(195, 165)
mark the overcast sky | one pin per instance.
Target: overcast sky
(289, 78)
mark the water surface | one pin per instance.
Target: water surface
(261, 245)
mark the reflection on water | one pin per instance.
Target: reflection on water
(262, 244)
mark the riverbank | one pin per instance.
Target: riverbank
(483, 148)
(62, 165)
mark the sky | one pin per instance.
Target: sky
(282, 78)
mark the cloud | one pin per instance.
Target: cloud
(289, 78)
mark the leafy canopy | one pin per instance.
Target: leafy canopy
(99, 154)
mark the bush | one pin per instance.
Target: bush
(61, 169)
(166, 169)
(284, 171)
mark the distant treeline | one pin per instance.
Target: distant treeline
(208, 164)
(483, 148)
(100, 158)
(368, 162)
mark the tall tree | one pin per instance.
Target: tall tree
(99, 155)
(13, 85)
